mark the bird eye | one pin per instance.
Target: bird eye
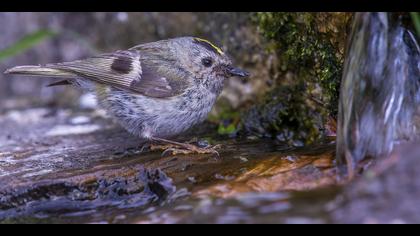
(207, 62)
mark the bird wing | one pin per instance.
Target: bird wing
(125, 70)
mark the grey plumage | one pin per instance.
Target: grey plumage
(154, 90)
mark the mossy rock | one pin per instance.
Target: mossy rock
(310, 51)
(311, 45)
(287, 117)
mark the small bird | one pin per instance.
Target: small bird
(154, 90)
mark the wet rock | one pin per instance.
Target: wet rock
(306, 78)
(387, 193)
(158, 183)
(101, 175)
(287, 117)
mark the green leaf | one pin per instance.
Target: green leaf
(25, 43)
(416, 21)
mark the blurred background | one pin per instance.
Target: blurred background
(38, 38)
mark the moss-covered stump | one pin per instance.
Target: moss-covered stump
(310, 52)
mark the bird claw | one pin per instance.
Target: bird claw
(175, 148)
(190, 149)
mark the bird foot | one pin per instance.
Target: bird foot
(174, 148)
(192, 149)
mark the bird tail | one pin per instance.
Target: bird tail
(40, 71)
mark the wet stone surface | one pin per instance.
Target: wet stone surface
(78, 166)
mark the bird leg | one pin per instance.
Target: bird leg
(175, 148)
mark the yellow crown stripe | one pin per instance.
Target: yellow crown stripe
(214, 46)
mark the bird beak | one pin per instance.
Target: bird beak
(237, 72)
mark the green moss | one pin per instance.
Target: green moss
(310, 47)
